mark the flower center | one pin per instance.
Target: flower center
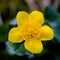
(31, 31)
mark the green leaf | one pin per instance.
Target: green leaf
(11, 47)
(21, 49)
(51, 14)
(17, 49)
(57, 32)
(13, 22)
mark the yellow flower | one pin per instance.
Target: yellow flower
(29, 29)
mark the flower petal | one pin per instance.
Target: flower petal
(34, 46)
(46, 33)
(36, 16)
(14, 35)
(21, 17)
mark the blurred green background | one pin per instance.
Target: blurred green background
(8, 11)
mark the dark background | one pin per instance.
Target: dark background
(8, 11)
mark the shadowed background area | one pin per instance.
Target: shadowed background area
(8, 11)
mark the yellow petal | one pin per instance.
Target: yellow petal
(34, 46)
(14, 35)
(46, 33)
(21, 17)
(36, 16)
